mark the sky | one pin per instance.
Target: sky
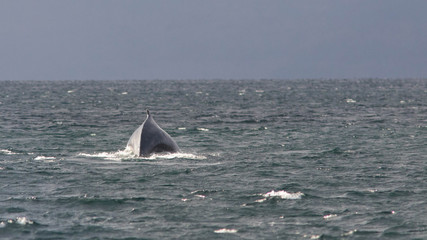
(212, 39)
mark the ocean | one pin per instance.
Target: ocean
(260, 159)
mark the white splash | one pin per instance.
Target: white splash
(312, 236)
(349, 100)
(23, 221)
(280, 194)
(115, 156)
(326, 217)
(226, 230)
(127, 154)
(44, 158)
(177, 155)
(18, 220)
(7, 152)
(203, 129)
(349, 233)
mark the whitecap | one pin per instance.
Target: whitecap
(280, 194)
(312, 236)
(23, 221)
(18, 220)
(203, 129)
(349, 100)
(226, 230)
(326, 217)
(284, 195)
(349, 233)
(7, 152)
(44, 158)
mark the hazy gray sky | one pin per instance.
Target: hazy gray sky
(194, 39)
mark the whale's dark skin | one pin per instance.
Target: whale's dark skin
(149, 138)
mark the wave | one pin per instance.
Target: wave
(18, 220)
(44, 158)
(281, 195)
(7, 152)
(226, 230)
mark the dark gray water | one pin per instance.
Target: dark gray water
(303, 159)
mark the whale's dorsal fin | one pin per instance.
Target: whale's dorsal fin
(150, 138)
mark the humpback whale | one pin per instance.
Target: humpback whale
(150, 138)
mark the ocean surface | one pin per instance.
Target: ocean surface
(264, 159)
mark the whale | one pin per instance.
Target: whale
(149, 138)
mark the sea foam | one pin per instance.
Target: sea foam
(7, 152)
(44, 158)
(18, 220)
(127, 154)
(225, 230)
(281, 195)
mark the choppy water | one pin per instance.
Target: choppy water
(303, 159)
